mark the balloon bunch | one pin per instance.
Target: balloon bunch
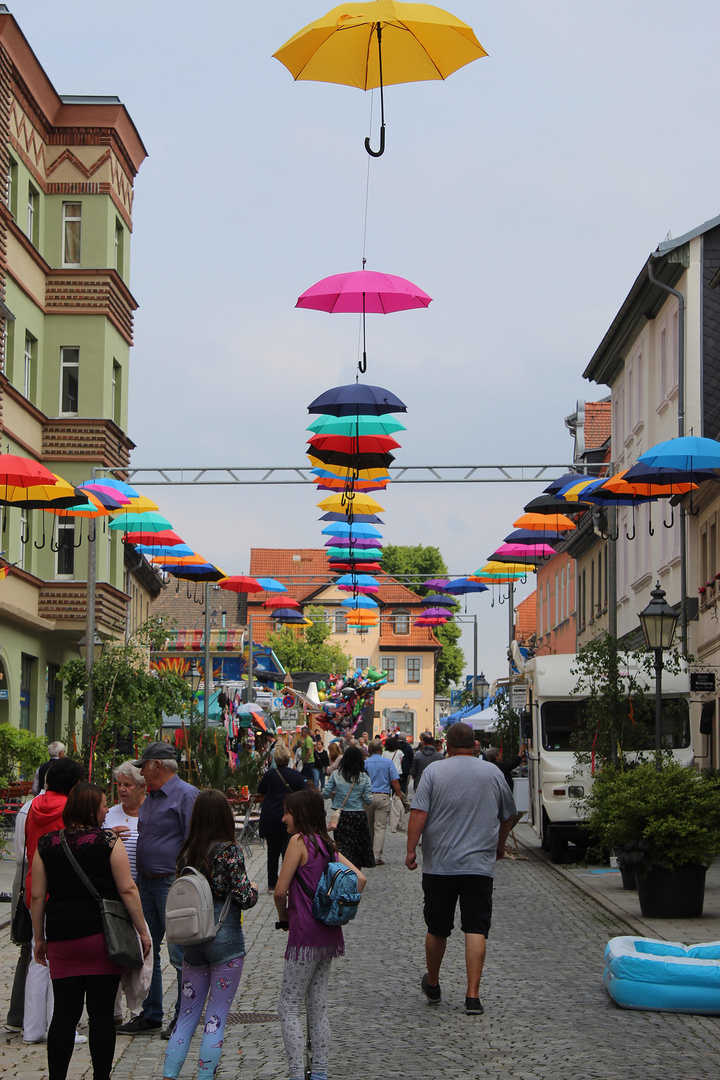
(344, 698)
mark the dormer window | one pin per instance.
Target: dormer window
(401, 620)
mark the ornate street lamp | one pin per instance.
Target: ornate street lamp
(97, 646)
(658, 621)
(481, 687)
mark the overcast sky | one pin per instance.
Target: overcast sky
(523, 194)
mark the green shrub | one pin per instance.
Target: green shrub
(21, 753)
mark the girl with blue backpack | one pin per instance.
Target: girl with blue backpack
(311, 944)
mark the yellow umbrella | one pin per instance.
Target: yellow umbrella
(415, 42)
(361, 504)
(343, 471)
(140, 504)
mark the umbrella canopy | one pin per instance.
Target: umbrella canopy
(572, 491)
(141, 504)
(23, 472)
(436, 598)
(241, 584)
(348, 567)
(174, 552)
(545, 522)
(120, 485)
(493, 567)
(355, 554)
(346, 473)
(288, 614)
(206, 572)
(356, 425)
(464, 585)
(689, 454)
(150, 522)
(620, 485)
(90, 507)
(271, 585)
(358, 460)
(356, 399)
(546, 504)
(528, 537)
(359, 542)
(358, 530)
(59, 495)
(353, 445)
(437, 613)
(429, 620)
(378, 44)
(361, 504)
(179, 560)
(165, 538)
(281, 602)
(435, 583)
(564, 481)
(521, 552)
(360, 602)
(367, 291)
(368, 519)
(342, 486)
(106, 492)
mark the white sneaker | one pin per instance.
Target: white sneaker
(80, 1038)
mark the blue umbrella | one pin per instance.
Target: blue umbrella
(356, 399)
(462, 585)
(359, 602)
(357, 579)
(652, 474)
(359, 530)
(436, 598)
(531, 536)
(690, 453)
(269, 584)
(288, 615)
(334, 515)
(179, 550)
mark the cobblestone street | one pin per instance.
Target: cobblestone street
(547, 1013)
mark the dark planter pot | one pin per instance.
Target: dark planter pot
(672, 894)
(628, 879)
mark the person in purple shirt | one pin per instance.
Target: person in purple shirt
(384, 779)
(163, 823)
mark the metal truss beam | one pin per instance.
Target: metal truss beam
(402, 474)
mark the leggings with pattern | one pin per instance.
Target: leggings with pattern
(218, 983)
(305, 980)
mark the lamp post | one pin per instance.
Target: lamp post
(658, 621)
(481, 687)
(89, 655)
(194, 677)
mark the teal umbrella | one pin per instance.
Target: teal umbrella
(356, 425)
(150, 522)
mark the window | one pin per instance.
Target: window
(27, 669)
(389, 666)
(605, 593)
(639, 389)
(116, 394)
(119, 245)
(413, 669)
(33, 218)
(71, 234)
(65, 560)
(629, 400)
(362, 662)
(402, 621)
(592, 589)
(12, 177)
(69, 376)
(675, 351)
(557, 599)
(29, 365)
(8, 345)
(341, 622)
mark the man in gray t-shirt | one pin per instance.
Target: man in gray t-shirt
(463, 810)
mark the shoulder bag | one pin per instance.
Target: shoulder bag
(121, 940)
(335, 816)
(21, 926)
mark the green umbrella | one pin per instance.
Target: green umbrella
(150, 522)
(356, 425)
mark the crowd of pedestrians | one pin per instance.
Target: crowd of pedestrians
(317, 803)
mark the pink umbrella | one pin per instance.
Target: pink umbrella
(523, 551)
(364, 291)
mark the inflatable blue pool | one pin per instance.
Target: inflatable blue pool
(642, 973)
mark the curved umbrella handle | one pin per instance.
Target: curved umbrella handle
(669, 525)
(381, 151)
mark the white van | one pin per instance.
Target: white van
(550, 726)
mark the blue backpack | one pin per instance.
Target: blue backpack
(336, 898)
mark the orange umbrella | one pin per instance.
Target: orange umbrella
(621, 487)
(544, 523)
(174, 560)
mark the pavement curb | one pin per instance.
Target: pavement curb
(639, 927)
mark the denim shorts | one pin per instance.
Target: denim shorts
(227, 944)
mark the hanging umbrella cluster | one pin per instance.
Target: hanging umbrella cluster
(353, 437)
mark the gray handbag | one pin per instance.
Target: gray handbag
(121, 940)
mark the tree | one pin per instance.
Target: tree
(129, 701)
(20, 752)
(308, 649)
(412, 565)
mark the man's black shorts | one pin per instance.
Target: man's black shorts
(442, 892)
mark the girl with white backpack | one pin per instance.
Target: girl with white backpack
(211, 970)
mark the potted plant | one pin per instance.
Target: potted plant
(665, 825)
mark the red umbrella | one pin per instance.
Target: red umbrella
(348, 444)
(23, 472)
(362, 291)
(281, 602)
(166, 538)
(240, 584)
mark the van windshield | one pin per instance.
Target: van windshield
(564, 727)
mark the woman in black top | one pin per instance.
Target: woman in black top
(274, 786)
(68, 927)
(322, 761)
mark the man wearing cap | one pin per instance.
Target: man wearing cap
(163, 823)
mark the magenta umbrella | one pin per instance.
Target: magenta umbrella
(363, 291)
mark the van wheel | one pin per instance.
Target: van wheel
(557, 846)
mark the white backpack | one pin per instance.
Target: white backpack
(190, 910)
